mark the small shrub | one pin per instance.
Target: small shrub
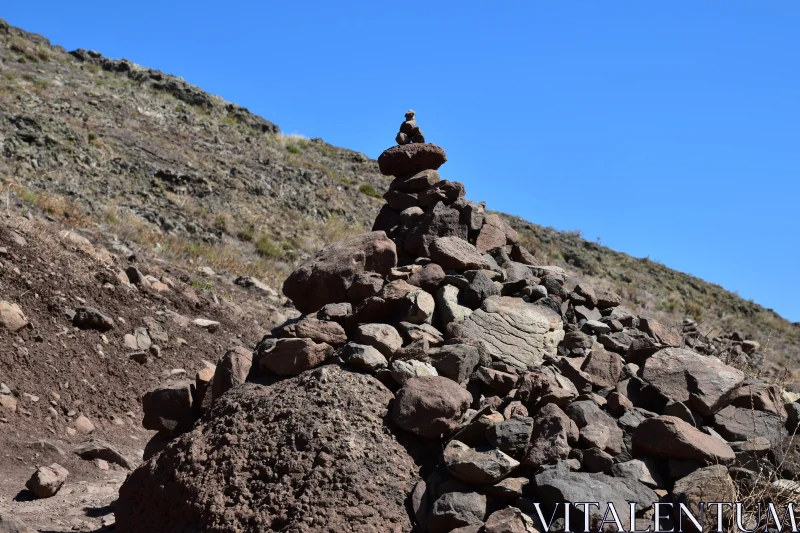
(266, 247)
(293, 149)
(246, 234)
(92, 136)
(369, 190)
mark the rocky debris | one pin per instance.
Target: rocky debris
(100, 449)
(534, 387)
(11, 524)
(91, 318)
(46, 481)
(11, 317)
(292, 457)
(430, 406)
(515, 332)
(326, 277)
(671, 438)
(168, 408)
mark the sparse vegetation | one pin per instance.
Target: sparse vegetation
(369, 190)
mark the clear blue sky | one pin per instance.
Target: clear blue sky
(667, 129)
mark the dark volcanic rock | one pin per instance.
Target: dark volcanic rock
(416, 182)
(430, 406)
(274, 459)
(409, 158)
(326, 277)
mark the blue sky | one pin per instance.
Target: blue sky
(669, 130)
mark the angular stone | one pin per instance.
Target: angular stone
(477, 466)
(430, 406)
(382, 337)
(416, 182)
(91, 318)
(758, 396)
(411, 158)
(671, 438)
(538, 388)
(326, 277)
(168, 408)
(365, 285)
(100, 449)
(400, 201)
(492, 235)
(335, 312)
(232, 370)
(441, 221)
(456, 253)
(709, 484)
(684, 376)
(444, 191)
(511, 436)
(596, 427)
(46, 481)
(480, 287)
(11, 524)
(738, 423)
(428, 278)
(552, 437)
(455, 361)
(414, 332)
(418, 307)
(290, 357)
(402, 371)
(509, 520)
(448, 306)
(316, 330)
(559, 484)
(456, 509)
(644, 471)
(659, 332)
(515, 332)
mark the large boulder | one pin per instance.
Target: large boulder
(168, 408)
(411, 158)
(668, 437)
(430, 405)
(441, 221)
(514, 331)
(699, 381)
(288, 457)
(325, 278)
(456, 253)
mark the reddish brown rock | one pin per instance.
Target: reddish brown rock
(669, 437)
(430, 405)
(326, 277)
(492, 234)
(317, 331)
(411, 158)
(290, 357)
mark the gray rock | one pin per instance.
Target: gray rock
(441, 221)
(509, 520)
(477, 466)
(671, 438)
(515, 332)
(416, 182)
(480, 287)
(644, 471)
(559, 484)
(738, 423)
(448, 306)
(414, 332)
(596, 427)
(100, 449)
(402, 371)
(456, 509)
(382, 337)
(363, 357)
(552, 437)
(11, 524)
(91, 318)
(455, 361)
(511, 436)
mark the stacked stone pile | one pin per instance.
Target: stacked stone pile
(536, 389)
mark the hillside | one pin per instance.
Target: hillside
(176, 174)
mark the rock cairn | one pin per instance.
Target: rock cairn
(409, 131)
(536, 389)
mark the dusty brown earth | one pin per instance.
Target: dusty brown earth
(58, 372)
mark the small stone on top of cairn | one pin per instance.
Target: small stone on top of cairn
(412, 154)
(409, 131)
